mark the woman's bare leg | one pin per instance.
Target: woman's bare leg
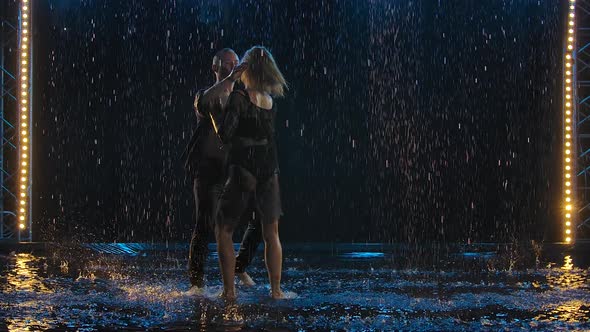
(273, 257)
(227, 259)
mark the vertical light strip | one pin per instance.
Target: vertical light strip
(25, 111)
(569, 123)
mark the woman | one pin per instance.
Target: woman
(253, 171)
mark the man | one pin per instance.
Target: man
(205, 160)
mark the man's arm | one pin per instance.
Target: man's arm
(213, 94)
(235, 106)
(223, 87)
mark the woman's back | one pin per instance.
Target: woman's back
(261, 99)
(250, 129)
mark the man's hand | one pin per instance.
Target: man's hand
(195, 105)
(196, 101)
(237, 72)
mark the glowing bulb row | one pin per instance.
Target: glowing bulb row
(24, 110)
(568, 143)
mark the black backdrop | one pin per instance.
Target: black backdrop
(405, 120)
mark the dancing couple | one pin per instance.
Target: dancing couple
(232, 158)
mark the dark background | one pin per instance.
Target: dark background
(405, 120)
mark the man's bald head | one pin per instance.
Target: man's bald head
(224, 62)
(222, 54)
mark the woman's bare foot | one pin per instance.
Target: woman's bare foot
(277, 294)
(228, 295)
(246, 280)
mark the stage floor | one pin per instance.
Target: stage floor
(360, 287)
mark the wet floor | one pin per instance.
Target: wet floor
(333, 287)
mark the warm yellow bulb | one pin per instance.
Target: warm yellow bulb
(568, 215)
(23, 179)
(568, 88)
(572, 15)
(25, 15)
(568, 113)
(570, 47)
(570, 39)
(567, 199)
(567, 231)
(568, 96)
(567, 183)
(567, 223)
(25, 24)
(571, 30)
(22, 202)
(567, 143)
(22, 210)
(568, 120)
(22, 195)
(24, 155)
(568, 56)
(22, 218)
(567, 151)
(568, 80)
(24, 124)
(24, 163)
(25, 148)
(568, 128)
(567, 176)
(25, 140)
(25, 7)
(567, 72)
(568, 191)
(568, 239)
(568, 136)
(22, 226)
(24, 132)
(567, 160)
(568, 207)
(571, 22)
(567, 168)
(568, 64)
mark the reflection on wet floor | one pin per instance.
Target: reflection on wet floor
(356, 288)
(23, 275)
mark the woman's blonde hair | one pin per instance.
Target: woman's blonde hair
(262, 72)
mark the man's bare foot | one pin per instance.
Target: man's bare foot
(277, 294)
(245, 279)
(196, 290)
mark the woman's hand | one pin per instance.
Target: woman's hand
(237, 72)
